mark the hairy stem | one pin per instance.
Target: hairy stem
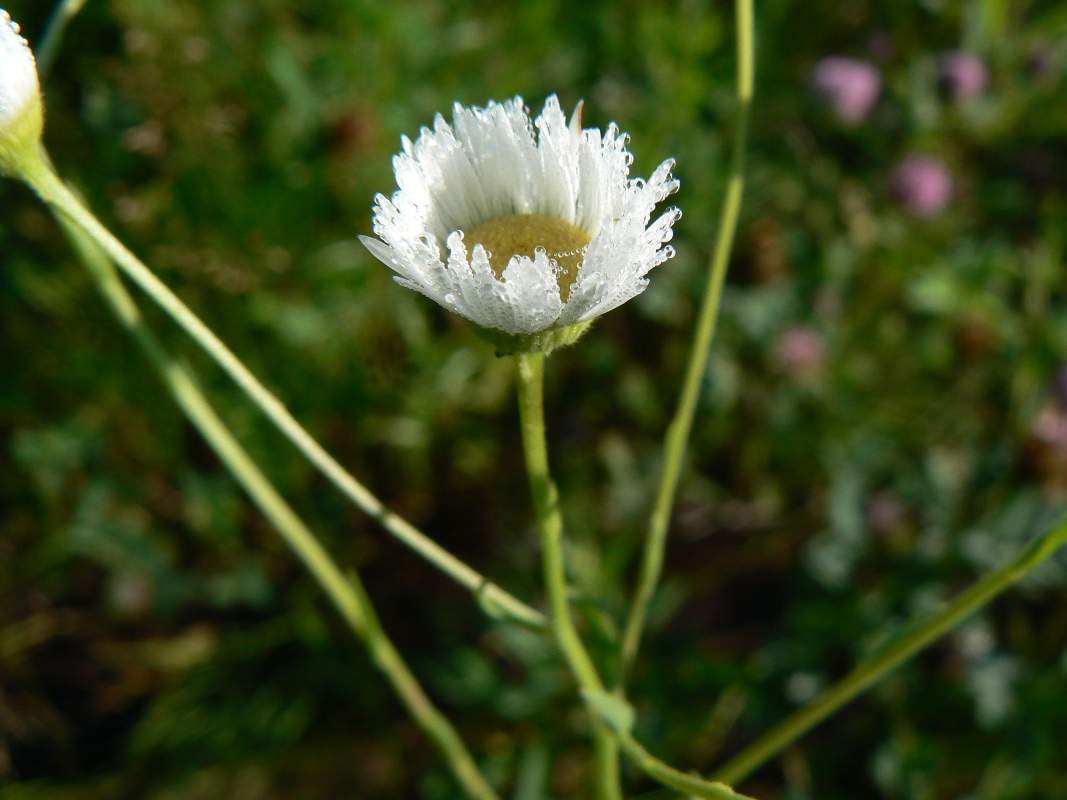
(491, 597)
(345, 592)
(677, 437)
(531, 370)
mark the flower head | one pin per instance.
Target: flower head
(922, 185)
(850, 86)
(21, 116)
(962, 75)
(1059, 386)
(544, 230)
(800, 351)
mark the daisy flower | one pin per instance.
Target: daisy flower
(543, 227)
(20, 96)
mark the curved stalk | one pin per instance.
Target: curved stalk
(345, 592)
(864, 676)
(52, 37)
(677, 437)
(691, 785)
(491, 597)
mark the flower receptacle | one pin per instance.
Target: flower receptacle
(21, 109)
(546, 342)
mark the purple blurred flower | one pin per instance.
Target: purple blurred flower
(882, 46)
(1059, 386)
(1051, 427)
(1042, 63)
(922, 185)
(851, 87)
(885, 512)
(962, 76)
(800, 351)
(1048, 448)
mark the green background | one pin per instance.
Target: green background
(157, 641)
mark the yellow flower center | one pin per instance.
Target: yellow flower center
(521, 234)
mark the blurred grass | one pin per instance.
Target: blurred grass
(156, 642)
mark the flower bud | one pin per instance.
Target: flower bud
(21, 111)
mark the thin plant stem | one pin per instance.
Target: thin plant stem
(911, 641)
(491, 597)
(345, 592)
(678, 433)
(691, 785)
(531, 372)
(52, 37)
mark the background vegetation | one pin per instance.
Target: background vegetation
(884, 416)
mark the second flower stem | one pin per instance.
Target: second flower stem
(678, 433)
(52, 37)
(346, 592)
(531, 371)
(51, 189)
(910, 642)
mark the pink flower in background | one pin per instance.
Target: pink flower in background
(1043, 62)
(1051, 427)
(851, 87)
(962, 75)
(800, 351)
(1059, 386)
(882, 46)
(885, 512)
(922, 185)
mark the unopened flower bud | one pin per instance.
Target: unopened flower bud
(21, 112)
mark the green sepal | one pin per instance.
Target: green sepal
(546, 341)
(20, 141)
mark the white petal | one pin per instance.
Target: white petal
(558, 150)
(19, 85)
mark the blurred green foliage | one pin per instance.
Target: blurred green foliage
(881, 420)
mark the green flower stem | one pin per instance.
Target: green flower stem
(914, 639)
(346, 592)
(52, 37)
(531, 373)
(678, 433)
(692, 785)
(491, 597)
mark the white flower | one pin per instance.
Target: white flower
(20, 96)
(544, 230)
